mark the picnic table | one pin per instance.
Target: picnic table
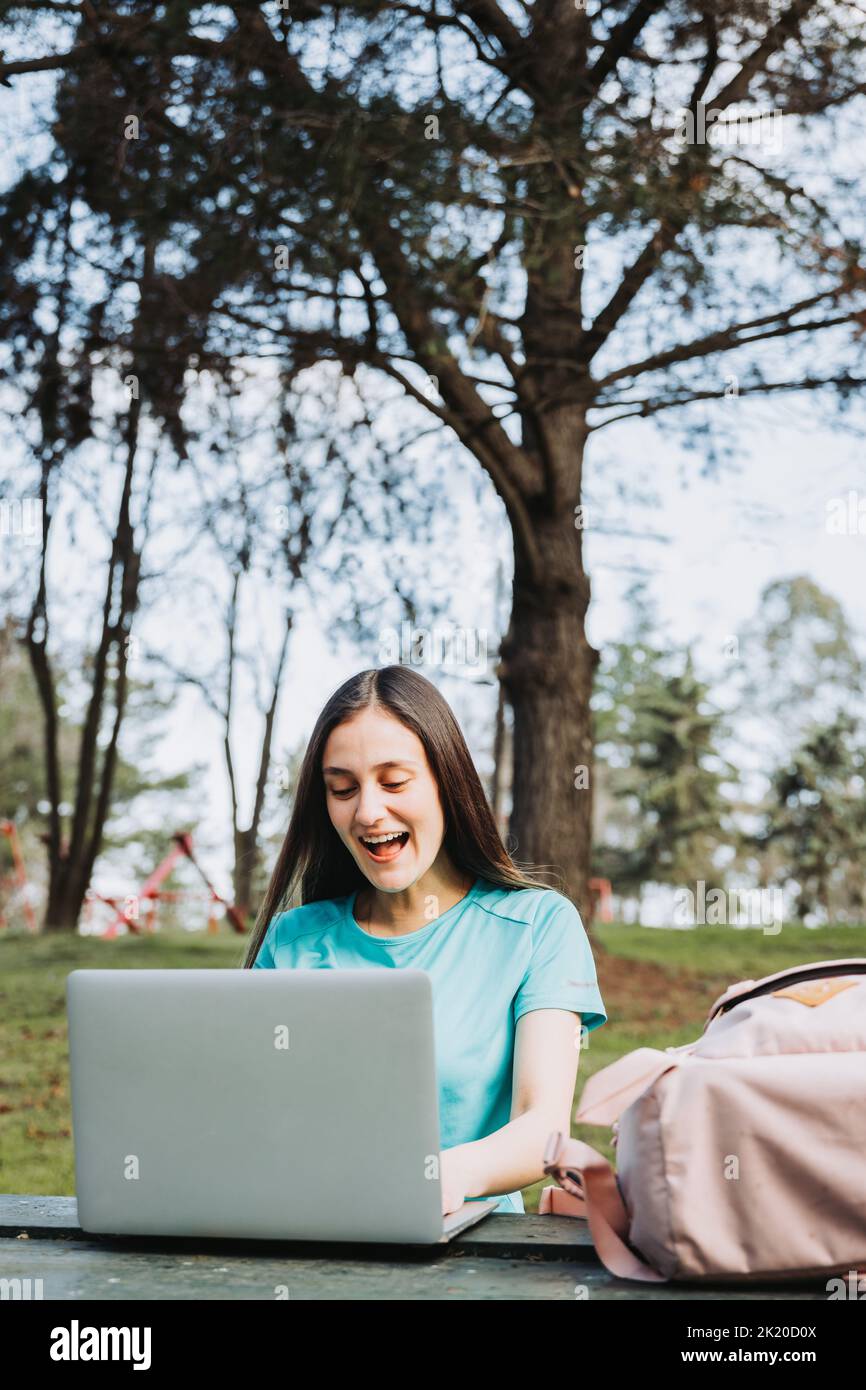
(504, 1257)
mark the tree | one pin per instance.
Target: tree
(658, 741)
(23, 773)
(796, 668)
(277, 536)
(818, 818)
(62, 330)
(799, 663)
(516, 214)
(21, 764)
(58, 373)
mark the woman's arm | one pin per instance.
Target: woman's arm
(546, 1056)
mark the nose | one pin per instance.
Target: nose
(371, 805)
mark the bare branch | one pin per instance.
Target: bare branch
(642, 268)
(731, 337)
(652, 407)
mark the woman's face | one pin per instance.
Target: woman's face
(378, 783)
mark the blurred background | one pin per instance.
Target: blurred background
(519, 342)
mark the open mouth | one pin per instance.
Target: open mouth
(383, 848)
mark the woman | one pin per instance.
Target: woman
(396, 854)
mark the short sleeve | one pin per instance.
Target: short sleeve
(561, 972)
(265, 958)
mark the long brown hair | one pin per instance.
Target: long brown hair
(314, 858)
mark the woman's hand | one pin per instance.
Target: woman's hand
(455, 1178)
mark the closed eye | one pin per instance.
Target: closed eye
(348, 791)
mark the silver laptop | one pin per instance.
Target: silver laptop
(266, 1104)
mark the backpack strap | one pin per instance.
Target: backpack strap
(555, 1201)
(604, 1210)
(816, 970)
(612, 1090)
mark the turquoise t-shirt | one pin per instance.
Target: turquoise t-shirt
(493, 956)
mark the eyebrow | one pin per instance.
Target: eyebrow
(392, 762)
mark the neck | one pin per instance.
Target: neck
(395, 914)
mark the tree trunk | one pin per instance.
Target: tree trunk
(246, 841)
(247, 852)
(64, 903)
(70, 864)
(548, 669)
(501, 777)
(549, 663)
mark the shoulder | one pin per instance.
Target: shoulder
(532, 907)
(302, 921)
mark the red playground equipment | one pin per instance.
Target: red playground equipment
(16, 882)
(602, 888)
(150, 894)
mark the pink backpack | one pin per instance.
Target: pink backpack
(740, 1157)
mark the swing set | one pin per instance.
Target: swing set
(14, 885)
(138, 911)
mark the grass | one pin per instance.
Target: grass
(657, 986)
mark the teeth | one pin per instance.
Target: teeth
(382, 839)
